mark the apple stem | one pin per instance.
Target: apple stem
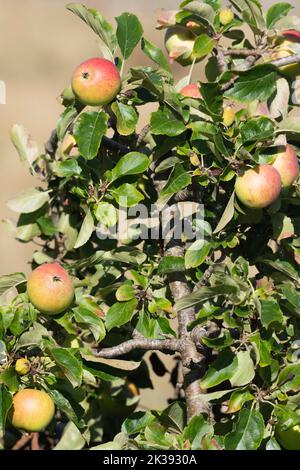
(191, 70)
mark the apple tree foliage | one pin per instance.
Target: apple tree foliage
(240, 284)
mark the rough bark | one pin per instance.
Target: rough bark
(139, 343)
(193, 362)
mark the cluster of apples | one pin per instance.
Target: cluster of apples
(260, 186)
(50, 289)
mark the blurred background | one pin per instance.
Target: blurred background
(42, 43)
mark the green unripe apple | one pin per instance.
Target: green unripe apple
(226, 16)
(67, 96)
(179, 43)
(289, 439)
(22, 366)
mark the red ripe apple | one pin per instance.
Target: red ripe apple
(32, 410)
(287, 165)
(258, 187)
(179, 42)
(96, 82)
(50, 288)
(191, 91)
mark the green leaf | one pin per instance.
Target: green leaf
(257, 129)
(272, 444)
(262, 350)
(9, 377)
(70, 365)
(86, 230)
(29, 201)
(98, 24)
(245, 372)
(27, 149)
(11, 280)
(197, 253)
(127, 195)
(127, 118)
(276, 12)
(174, 417)
(289, 124)
(27, 232)
(248, 432)
(5, 404)
(280, 104)
(203, 294)
(223, 368)
(120, 313)
(117, 364)
(171, 264)
(106, 214)
(33, 337)
(129, 33)
(65, 226)
(282, 266)
(292, 296)
(259, 83)
(252, 13)
(86, 317)
(71, 438)
(89, 129)
(64, 121)
(179, 179)
(289, 378)
(270, 313)
(167, 163)
(165, 123)
(137, 422)
(47, 226)
(215, 4)
(132, 163)
(68, 168)
(157, 437)
(237, 399)
(155, 54)
(227, 215)
(203, 46)
(125, 292)
(64, 405)
(220, 342)
(197, 428)
(203, 11)
(213, 99)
